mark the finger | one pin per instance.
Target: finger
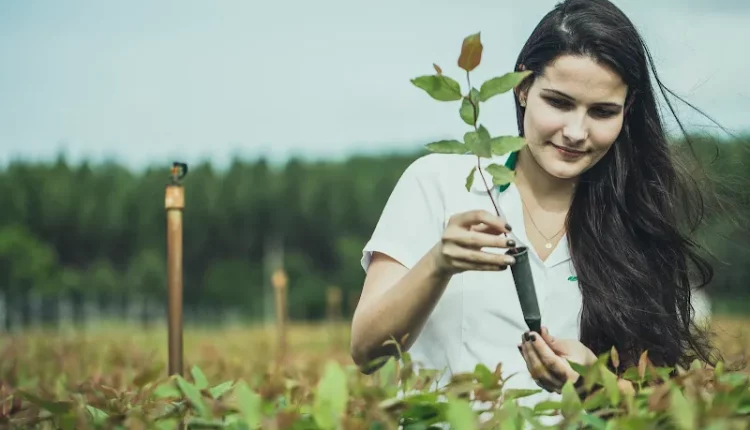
(547, 336)
(466, 219)
(484, 228)
(467, 265)
(556, 365)
(539, 369)
(540, 382)
(477, 257)
(477, 239)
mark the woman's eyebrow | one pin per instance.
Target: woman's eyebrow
(562, 94)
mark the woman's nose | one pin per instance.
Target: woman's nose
(575, 130)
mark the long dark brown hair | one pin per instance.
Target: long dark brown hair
(632, 215)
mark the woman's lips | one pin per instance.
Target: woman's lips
(570, 153)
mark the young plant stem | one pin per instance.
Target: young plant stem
(479, 166)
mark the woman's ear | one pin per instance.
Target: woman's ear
(522, 94)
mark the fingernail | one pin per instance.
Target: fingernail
(533, 337)
(526, 336)
(511, 242)
(507, 227)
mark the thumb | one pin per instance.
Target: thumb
(557, 347)
(547, 337)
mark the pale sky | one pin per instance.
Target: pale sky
(145, 82)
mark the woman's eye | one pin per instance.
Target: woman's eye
(557, 103)
(602, 113)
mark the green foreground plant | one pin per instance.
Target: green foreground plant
(343, 398)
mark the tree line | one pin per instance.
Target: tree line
(98, 229)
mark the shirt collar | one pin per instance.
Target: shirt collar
(511, 208)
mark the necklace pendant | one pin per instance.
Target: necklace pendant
(548, 245)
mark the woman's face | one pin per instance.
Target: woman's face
(574, 113)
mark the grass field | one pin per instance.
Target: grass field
(53, 365)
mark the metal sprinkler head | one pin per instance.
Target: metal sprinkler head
(179, 171)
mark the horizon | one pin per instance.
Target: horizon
(144, 84)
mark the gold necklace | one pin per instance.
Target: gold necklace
(547, 245)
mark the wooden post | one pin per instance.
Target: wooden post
(174, 203)
(280, 286)
(333, 310)
(334, 298)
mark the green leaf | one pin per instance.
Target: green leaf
(167, 424)
(595, 400)
(54, 407)
(571, 403)
(460, 415)
(478, 146)
(470, 178)
(504, 144)
(98, 416)
(467, 112)
(547, 405)
(447, 147)
(719, 370)
(220, 389)
(632, 423)
(485, 376)
(167, 390)
(439, 87)
(249, 403)
(387, 375)
(471, 52)
(631, 374)
(467, 108)
(474, 96)
(331, 397)
(483, 133)
(501, 84)
(517, 393)
(682, 413)
(579, 368)
(200, 379)
(194, 396)
(609, 380)
(513, 417)
(501, 175)
(594, 421)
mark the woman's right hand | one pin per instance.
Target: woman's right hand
(465, 235)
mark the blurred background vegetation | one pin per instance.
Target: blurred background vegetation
(84, 242)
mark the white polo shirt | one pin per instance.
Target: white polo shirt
(478, 319)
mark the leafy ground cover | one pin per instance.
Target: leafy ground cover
(115, 377)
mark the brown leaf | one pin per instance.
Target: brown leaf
(626, 387)
(642, 362)
(615, 358)
(286, 419)
(658, 401)
(471, 52)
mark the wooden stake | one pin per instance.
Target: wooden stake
(334, 298)
(333, 315)
(174, 203)
(280, 286)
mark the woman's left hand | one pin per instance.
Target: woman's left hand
(547, 359)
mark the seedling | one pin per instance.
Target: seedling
(480, 142)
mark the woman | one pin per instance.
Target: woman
(596, 199)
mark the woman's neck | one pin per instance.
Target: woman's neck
(546, 191)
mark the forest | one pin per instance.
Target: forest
(94, 233)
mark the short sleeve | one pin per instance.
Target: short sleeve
(411, 222)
